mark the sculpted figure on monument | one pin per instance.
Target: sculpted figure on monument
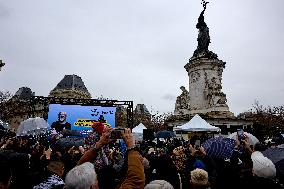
(182, 101)
(214, 87)
(203, 36)
(222, 100)
(215, 97)
(194, 76)
(213, 100)
(211, 91)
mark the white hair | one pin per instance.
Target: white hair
(159, 184)
(81, 177)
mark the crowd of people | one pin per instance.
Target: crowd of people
(37, 162)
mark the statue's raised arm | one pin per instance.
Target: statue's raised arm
(201, 16)
(204, 3)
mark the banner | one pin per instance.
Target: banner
(77, 117)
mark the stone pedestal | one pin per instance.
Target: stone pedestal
(205, 88)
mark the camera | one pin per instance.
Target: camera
(241, 135)
(117, 133)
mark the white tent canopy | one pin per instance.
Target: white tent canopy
(197, 124)
(139, 129)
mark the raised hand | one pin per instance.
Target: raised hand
(105, 138)
(48, 153)
(128, 138)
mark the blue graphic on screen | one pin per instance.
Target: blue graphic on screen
(81, 117)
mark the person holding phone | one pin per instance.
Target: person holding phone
(135, 177)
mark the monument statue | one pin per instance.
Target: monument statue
(203, 37)
(182, 102)
(204, 94)
(214, 95)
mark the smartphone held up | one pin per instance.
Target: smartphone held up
(116, 133)
(241, 134)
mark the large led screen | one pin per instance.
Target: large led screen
(77, 117)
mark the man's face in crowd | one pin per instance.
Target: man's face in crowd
(62, 117)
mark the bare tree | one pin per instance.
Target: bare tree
(12, 108)
(154, 120)
(5, 96)
(268, 120)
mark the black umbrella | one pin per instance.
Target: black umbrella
(69, 142)
(274, 154)
(280, 167)
(74, 133)
(165, 134)
(2, 128)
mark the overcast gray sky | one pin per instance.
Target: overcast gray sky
(136, 49)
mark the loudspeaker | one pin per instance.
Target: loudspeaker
(148, 134)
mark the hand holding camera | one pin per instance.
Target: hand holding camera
(117, 133)
(128, 138)
(110, 135)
